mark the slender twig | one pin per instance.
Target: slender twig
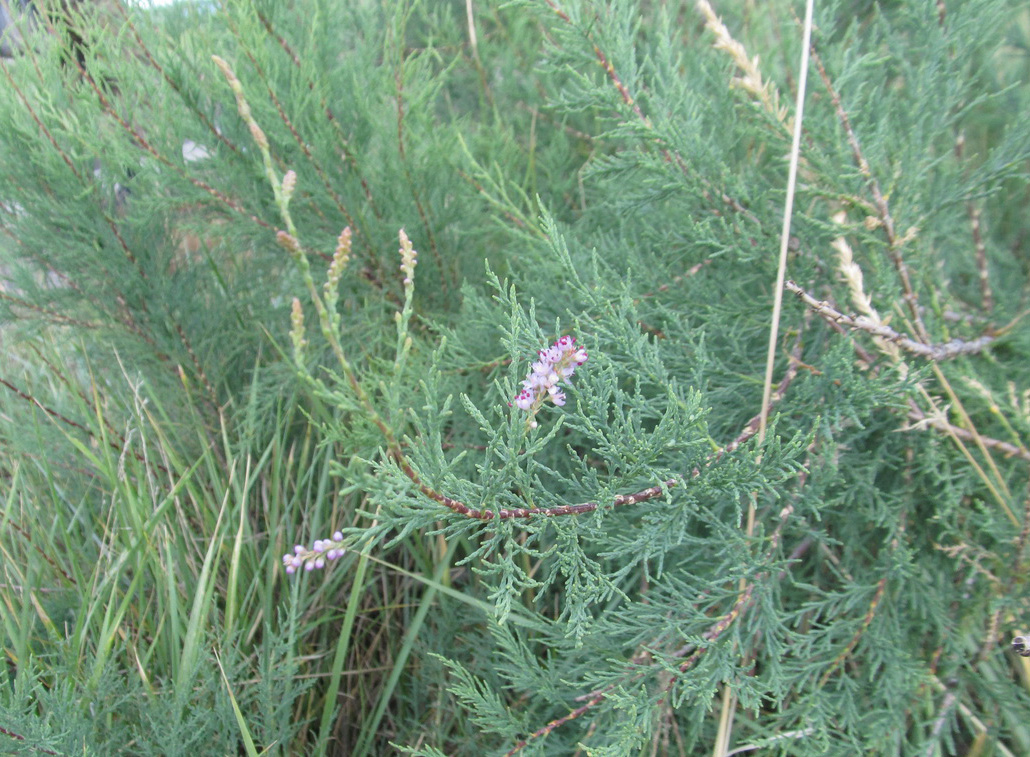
(874, 603)
(173, 83)
(922, 420)
(936, 352)
(42, 552)
(74, 424)
(39, 123)
(55, 318)
(330, 116)
(304, 146)
(415, 195)
(142, 142)
(894, 242)
(675, 280)
(668, 155)
(19, 737)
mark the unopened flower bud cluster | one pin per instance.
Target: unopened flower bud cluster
(556, 364)
(322, 552)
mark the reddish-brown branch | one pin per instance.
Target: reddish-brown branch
(212, 396)
(556, 723)
(42, 552)
(670, 156)
(172, 83)
(330, 116)
(894, 244)
(398, 78)
(68, 421)
(675, 280)
(479, 188)
(305, 148)
(142, 142)
(749, 431)
(19, 737)
(39, 123)
(183, 339)
(853, 642)
(55, 318)
(714, 631)
(743, 600)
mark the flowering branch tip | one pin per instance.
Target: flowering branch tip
(556, 364)
(322, 552)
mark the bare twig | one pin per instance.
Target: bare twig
(936, 352)
(922, 420)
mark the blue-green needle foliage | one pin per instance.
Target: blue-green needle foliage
(300, 456)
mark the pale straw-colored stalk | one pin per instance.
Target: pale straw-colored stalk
(729, 699)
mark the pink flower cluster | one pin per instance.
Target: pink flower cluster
(322, 550)
(556, 364)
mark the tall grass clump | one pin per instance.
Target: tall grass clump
(406, 378)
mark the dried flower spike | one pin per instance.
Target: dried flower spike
(289, 185)
(322, 552)
(297, 330)
(340, 259)
(555, 364)
(409, 258)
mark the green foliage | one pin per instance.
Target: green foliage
(645, 570)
